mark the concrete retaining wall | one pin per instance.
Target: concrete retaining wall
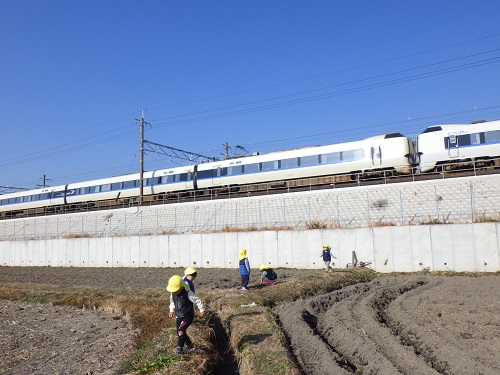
(456, 247)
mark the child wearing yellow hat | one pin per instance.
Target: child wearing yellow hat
(244, 269)
(269, 276)
(327, 257)
(189, 275)
(182, 301)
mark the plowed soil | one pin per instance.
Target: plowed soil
(406, 324)
(399, 325)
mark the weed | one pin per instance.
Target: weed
(156, 364)
(381, 203)
(316, 225)
(383, 224)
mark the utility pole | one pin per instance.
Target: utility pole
(141, 150)
(44, 181)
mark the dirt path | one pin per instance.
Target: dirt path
(406, 324)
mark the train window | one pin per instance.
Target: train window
(28, 198)
(333, 157)
(116, 186)
(270, 165)
(95, 189)
(3, 202)
(432, 129)
(36, 197)
(129, 184)
(235, 170)
(152, 181)
(57, 194)
(476, 138)
(19, 199)
(251, 168)
(183, 177)
(352, 155)
(306, 161)
(492, 136)
(393, 135)
(206, 174)
(44, 196)
(84, 190)
(105, 187)
(12, 200)
(464, 140)
(290, 163)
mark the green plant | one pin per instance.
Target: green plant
(156, 364)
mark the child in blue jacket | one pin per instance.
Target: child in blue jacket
(244, 269)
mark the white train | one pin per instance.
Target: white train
(391, 153)
(445, 144)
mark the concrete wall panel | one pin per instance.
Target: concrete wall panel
(121, 250)
(486, 244)
(402, 256)
(4, 253)
(421, 249)
(174, 249)
(92, 248)
(84, 252)
(364, 245)
(31, 253)
(107, 249)
(163, 246)
(134, 251)
(313, 250)
(290, 258)
(195, 250)
(218, 251)
(462, 238)
(232, 252)
(441, 243)
(383, 255)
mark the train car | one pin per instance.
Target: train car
(35, 198)
(452, 143)
(391, 152)
(112, 188)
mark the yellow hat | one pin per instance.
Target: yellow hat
(189, 271)
(175, 283)
(264, 267)
(326, 245)
(243, 254)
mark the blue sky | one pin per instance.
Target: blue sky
(263, 75)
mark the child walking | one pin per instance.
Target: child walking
(327, 257)
(182, 301)
(244, 269)
(189, 275)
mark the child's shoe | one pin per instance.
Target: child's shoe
(179, 351)
(187, 348)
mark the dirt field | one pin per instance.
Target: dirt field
(408, 324)
(399, 325)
